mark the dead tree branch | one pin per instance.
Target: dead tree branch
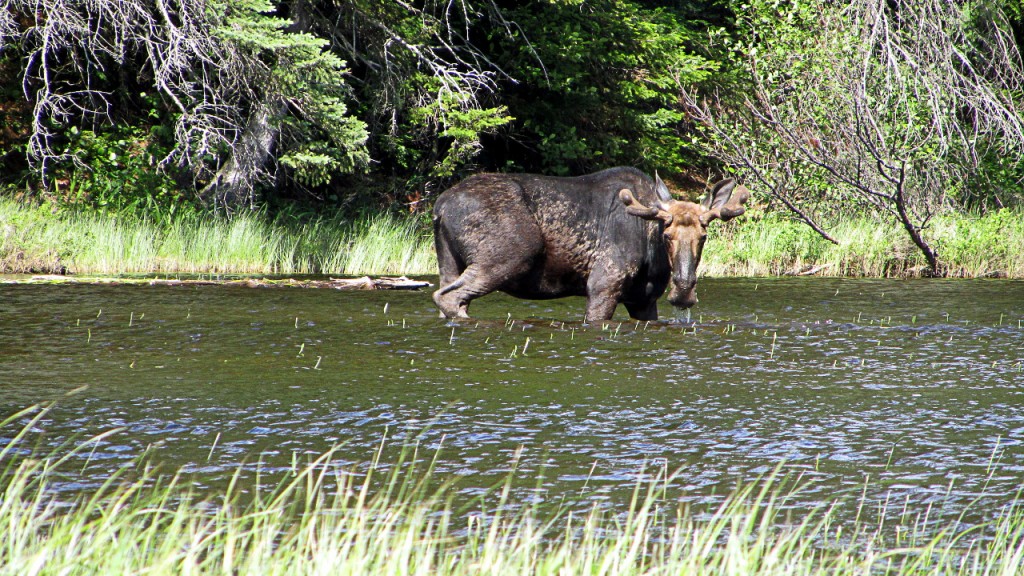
(893, 102)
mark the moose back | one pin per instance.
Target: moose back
(615, 236)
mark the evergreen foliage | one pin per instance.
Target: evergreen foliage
(227, 84)
(598, 84)
(358, 105)
(321, 137)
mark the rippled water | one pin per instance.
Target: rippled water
(915, 385)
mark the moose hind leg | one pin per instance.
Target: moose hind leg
(475, 281)
(458, 288)
(450, 305)
(498, 245)
(450, 268)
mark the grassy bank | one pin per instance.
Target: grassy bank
(324, 520)
(970, 246)
(37, 240)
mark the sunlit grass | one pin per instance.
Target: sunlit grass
(970, 246)
(36, 240)
(400, 518)
(383, 245)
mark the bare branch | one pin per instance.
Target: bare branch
(895, 101)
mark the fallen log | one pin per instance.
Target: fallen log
(808, 270)
(386, 283)
(363, 283)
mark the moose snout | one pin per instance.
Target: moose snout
(683, 293)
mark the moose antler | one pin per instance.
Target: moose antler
(634, 207)
(727, 210)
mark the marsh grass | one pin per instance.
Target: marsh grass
(970, 245)
(383, 244)
(399, 518)
(34, 239)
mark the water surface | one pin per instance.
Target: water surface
(914, 385)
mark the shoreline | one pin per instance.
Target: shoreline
(35, 240)
(359, 283)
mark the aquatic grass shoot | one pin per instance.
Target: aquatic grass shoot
(402, 517)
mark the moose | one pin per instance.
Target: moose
(615, 236)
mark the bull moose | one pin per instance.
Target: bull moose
(612, 236)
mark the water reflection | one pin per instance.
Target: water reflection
(914, 385)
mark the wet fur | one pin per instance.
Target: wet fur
(544, 237)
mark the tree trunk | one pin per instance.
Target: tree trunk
(930, 254)
(234, 184)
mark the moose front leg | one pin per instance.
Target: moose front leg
(600, 308)
(644, 311)
(602, 297)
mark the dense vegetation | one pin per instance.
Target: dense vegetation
(902, 112)
(35, 240)
(400, 518)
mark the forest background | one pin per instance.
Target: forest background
(881, 137)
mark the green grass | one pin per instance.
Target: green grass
(970, 246)
(323, 520)
(38, 240)
(383, 244)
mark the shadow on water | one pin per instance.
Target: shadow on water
(914, 386)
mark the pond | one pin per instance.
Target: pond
(898, 391)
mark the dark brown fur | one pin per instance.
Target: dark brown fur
(543, 237)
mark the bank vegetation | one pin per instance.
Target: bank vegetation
(902, 116)
(399, 518)
(37, 240)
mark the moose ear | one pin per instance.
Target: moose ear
(719, 194)
(662, 191)
(724, 202)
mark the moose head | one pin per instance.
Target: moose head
(684, 228)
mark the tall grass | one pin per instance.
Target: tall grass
(36, 240)
(325, 520)
(969, 245)
(382, 244)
